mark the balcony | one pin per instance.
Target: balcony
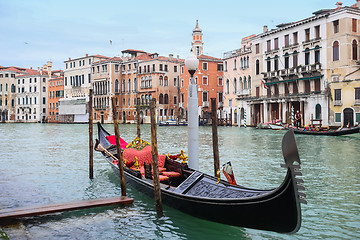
(243, 92)
(337, 103)
(357, 102)
(181, 105)
(205, 104)
(220, 104)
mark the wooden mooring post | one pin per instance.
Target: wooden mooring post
(154, 151)
(138, 117)
(118, 147)
(215, 137)
(91, 147)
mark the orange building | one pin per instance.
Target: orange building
(55, 92)
(209, 78)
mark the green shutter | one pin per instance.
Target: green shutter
(337, 117)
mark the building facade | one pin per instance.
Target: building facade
(73, 108)
(238, 82)
(342, 31)
(56, 92)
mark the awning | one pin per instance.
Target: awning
(293, 80)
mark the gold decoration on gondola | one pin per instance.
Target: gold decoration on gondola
(218, 176)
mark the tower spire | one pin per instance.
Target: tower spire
(197, 42)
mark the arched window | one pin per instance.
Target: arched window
(257, 67)
(135, 84)
(234, 64)
(286, 60)
(161, 99)
(276, 62)
(235, 85)
(166, 99)
(161, 81)
(116, 86)
(249, 82)
(336, 51)
(240, 84)
(129, 85)
(123, 86)
(318, 111)
(247, 62)
(227, 86)
(354, 50)
(166, 81)
(241, 63)
(245, 83)
(13, 89)
(295, 59)
(317, 54)
(307, 56)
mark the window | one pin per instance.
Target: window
(205, 97)
(357, 94)
(307, 56)
(354, 25)
(182, 70)
(276, 63)
(166, 68)
(234, 64)
(268, 44)
(257, 48)
(205, 66)
(175, 68)
(295, 59)
(357, 117)
(317, 32)
(161, 67)
(286, 60)
(354, 50)
(205, 80)
(307, 34)
(337, 94)
(317, 54)
(227, 86)
(225, 67)
(166, 98)
(175, 100)
(286, 40)
(337, 117)
(295, 37)
(336, 51)
(249, 82)
(276, 43)
(166, 81)
(268, 64)
(220, 81)
(44, 100)
(336, 26)
(235, 85)
(257, 67)
(116, 86)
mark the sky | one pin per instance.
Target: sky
(33, 32)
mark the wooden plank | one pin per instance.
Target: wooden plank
(54, 208)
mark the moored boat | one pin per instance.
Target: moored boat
(172, 122)
(201, 195)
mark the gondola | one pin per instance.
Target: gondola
(199, 194)
(327, 132)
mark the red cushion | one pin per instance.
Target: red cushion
(143, 155)
(163, 178)
(112, 141)
(171, 174)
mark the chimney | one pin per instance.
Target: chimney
(265, 29)
(170, 57)
(338, 4)
(86, 55)
(69, 58)
(49, 66)
(178, 57)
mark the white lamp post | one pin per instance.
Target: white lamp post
(192, 64)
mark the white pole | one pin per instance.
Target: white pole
(193, 126)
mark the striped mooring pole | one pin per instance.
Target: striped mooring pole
(292, 115)
(245, 118)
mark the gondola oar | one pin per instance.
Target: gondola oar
(100, 148)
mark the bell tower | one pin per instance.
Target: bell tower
(197, 42)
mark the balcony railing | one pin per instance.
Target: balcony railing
(205, 104)
(220, 104)
(243, 92)
(337, 103)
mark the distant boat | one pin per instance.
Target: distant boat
(277, 126)
(327, 132)
(204, 196)
(172, 122)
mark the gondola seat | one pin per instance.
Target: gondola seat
(171, 174)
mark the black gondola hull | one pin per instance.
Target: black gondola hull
(329, 133)
(273, 210)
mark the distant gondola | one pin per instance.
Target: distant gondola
(199, 195)
(327, 132)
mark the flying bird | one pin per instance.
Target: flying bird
(110, 42)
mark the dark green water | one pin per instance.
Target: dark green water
(46, 164)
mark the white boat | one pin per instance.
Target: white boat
(277, 126)
(172, 122)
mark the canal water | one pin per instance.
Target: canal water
(48, 163)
